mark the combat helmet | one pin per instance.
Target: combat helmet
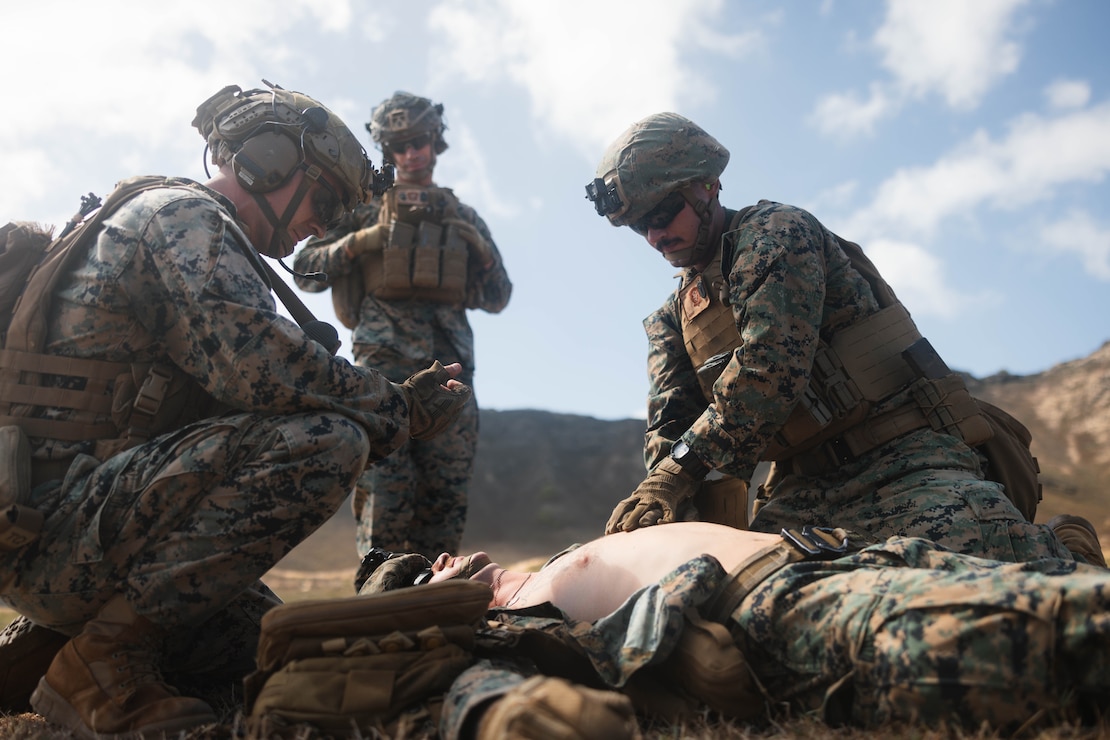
(404, 116)
(651, 159)
(265, 136)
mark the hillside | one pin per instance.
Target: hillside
(544, 480)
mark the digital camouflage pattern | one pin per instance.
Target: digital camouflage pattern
(416, 499)
(903, 631)
(916, 631)
(187, 522)
(790, 283)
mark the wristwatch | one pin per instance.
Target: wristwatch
(688, 460)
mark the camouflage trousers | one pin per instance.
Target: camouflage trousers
(922, 485)
(907, 631)
(415, 499)
(185, 523)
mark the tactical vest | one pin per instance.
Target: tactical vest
(116, 405)
(856, 369)
(423, 258)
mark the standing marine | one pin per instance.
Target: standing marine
(403, 272)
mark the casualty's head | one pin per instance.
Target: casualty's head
(409, 131)
(382, 570)
(661, 169)
(271, 137)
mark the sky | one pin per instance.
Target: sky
(964, 144)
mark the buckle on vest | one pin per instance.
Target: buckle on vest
(818, 543)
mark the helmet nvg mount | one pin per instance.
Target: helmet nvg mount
(654, 158)
(651, 159)
(404, 116)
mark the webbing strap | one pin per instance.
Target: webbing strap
(811, 543)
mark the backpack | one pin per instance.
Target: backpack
(362, 664)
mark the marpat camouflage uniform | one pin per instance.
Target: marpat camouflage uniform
(186, 523)
(903, 631)
(790, 283)
(416, 499)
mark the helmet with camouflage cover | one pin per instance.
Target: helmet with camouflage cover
(652, 158)
(265, 136)
(404, 116)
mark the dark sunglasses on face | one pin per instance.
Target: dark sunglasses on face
(661, 215)
(326, 205)
(417, 142)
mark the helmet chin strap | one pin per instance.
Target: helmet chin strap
(693, 255)
(280, 242)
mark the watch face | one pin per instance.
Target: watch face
(679, 450)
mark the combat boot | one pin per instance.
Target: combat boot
(1079, 536)
(105, 684)
(26, 650)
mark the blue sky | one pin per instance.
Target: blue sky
(963, 143)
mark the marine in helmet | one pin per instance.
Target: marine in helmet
(182, 435)
(783, 343)
(403, 272)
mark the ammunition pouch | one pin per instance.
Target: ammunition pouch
(423, 262)
(19, 524)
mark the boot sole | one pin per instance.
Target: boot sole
(56, 710)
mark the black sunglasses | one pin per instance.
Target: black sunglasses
(327, 206)
(661, 215)
(417, 142)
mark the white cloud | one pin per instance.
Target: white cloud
(1063, 94)
(844, 114)
(612, 77)
(952, 48)
(1037, 156)
(919, 279)
(1079, 234)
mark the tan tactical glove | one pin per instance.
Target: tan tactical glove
(655, 500)
(479, 247)
(544, 708)
(432, 406)
(363, 241)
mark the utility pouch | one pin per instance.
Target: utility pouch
(354, 665)
(723, 501)
(950, 409)
(709, 666)
(19, 524)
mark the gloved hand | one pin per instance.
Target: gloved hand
(363, 241)
(479, 247)
(656, 500)
(544, 708)
(435, 400)
(376, 576)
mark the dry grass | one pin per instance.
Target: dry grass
(33, 727)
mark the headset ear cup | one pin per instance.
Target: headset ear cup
(264, 162)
